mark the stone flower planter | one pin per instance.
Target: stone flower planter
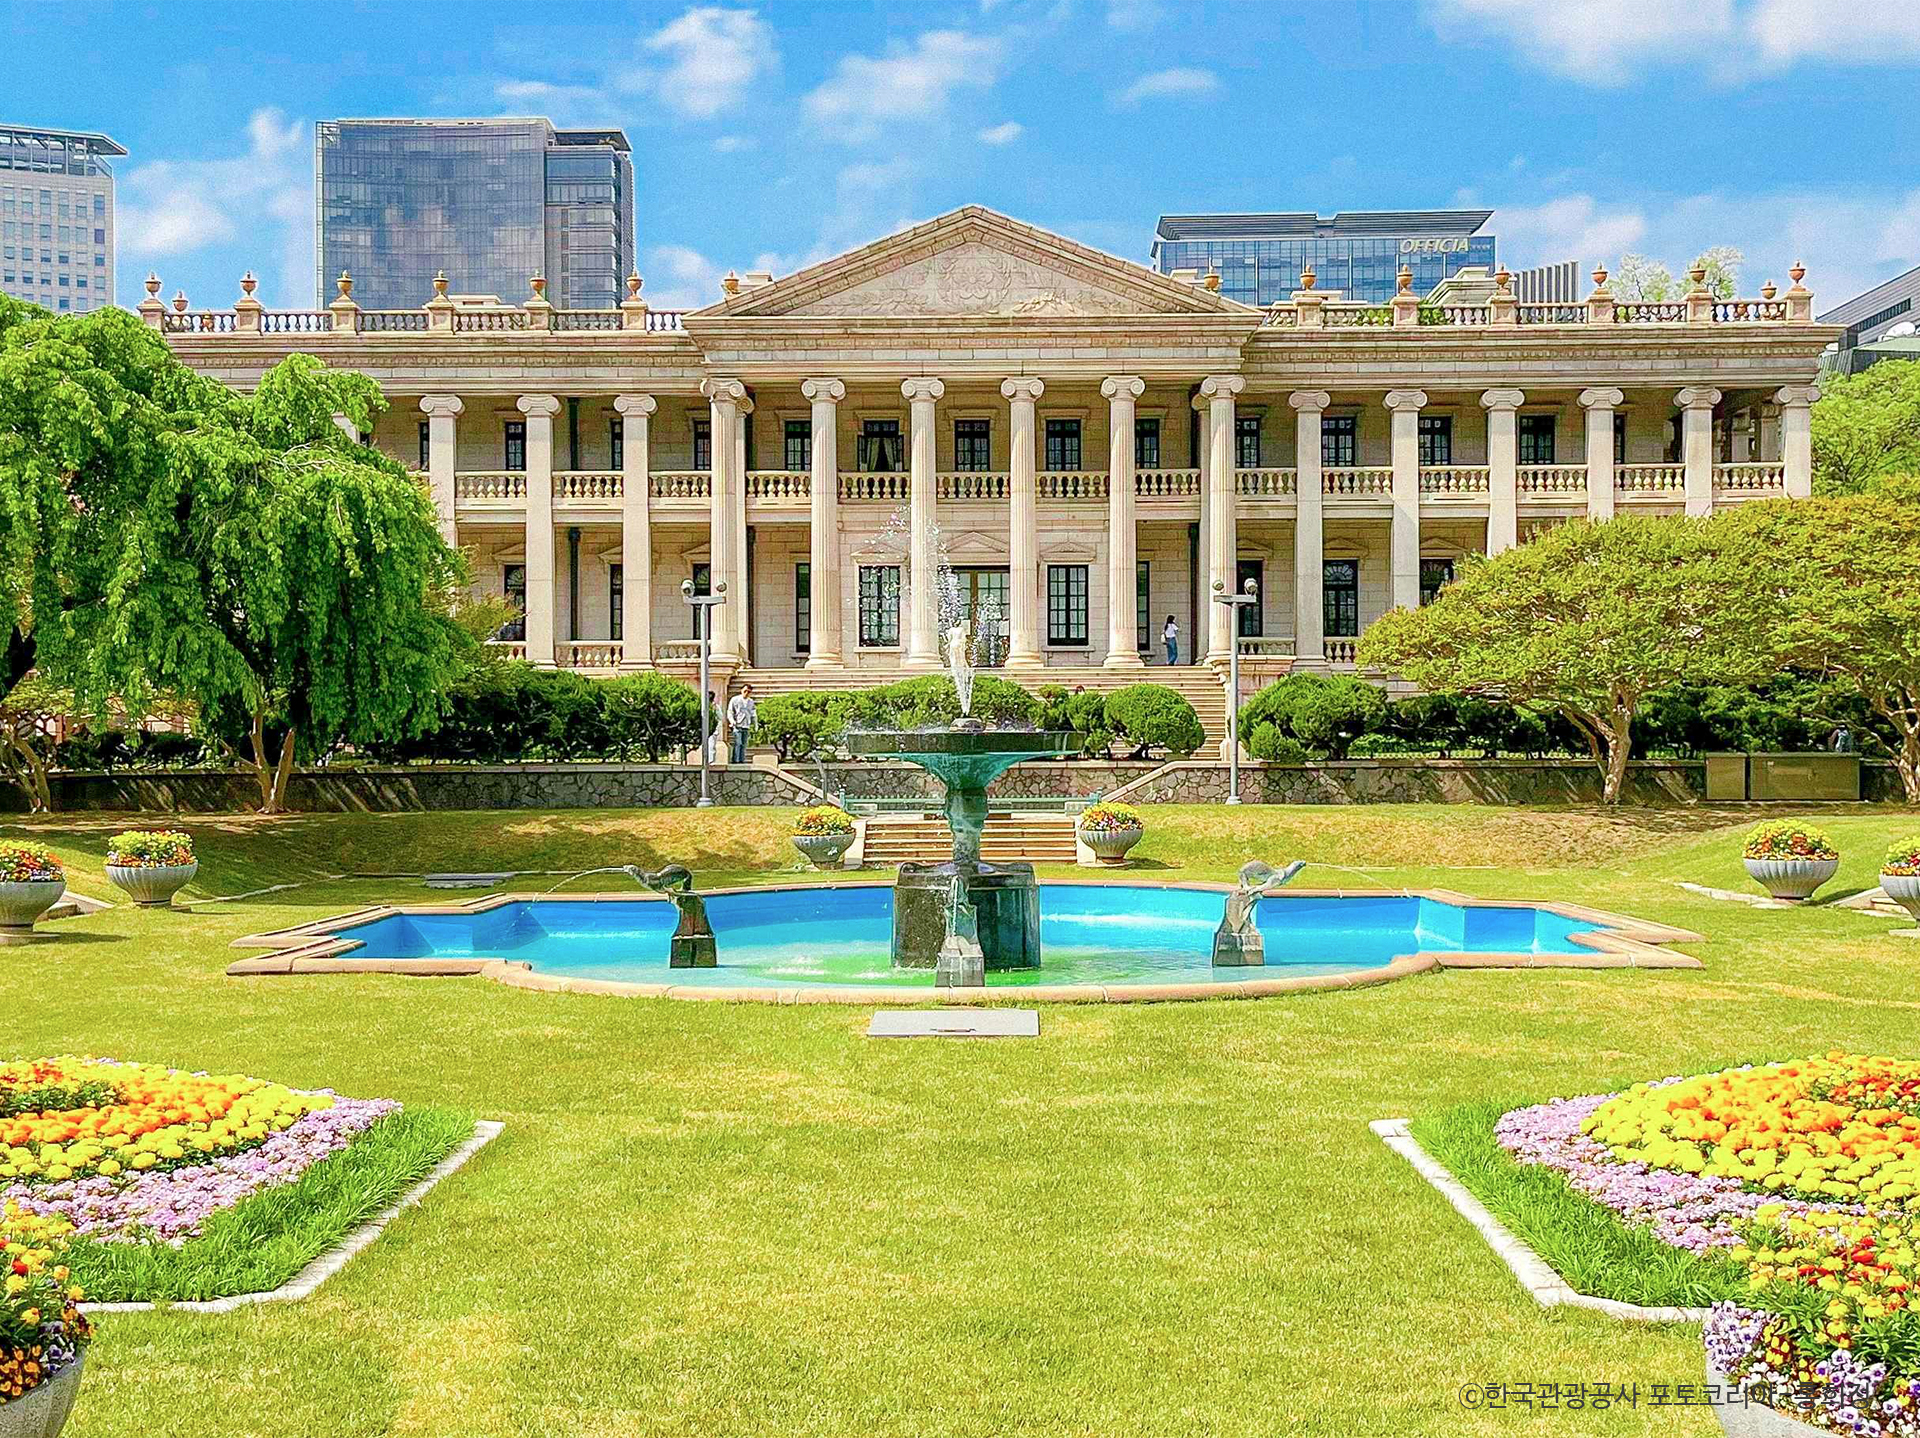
(1904, 890)
(152, 886)
(1792, 879)
(1110, 846)
(1740, 1419)
(21, 903)
(42, 1412)
(823, 851)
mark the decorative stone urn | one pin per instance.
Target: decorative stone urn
(823, 851)
(1791, 879)
(22, 902)
(1110, 846)
(1904, 890)
(42, 1411)
(152, 886)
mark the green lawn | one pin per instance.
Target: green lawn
(717, 1219)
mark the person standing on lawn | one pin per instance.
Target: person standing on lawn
(741, 712)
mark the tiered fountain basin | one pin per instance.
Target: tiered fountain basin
(832, 942)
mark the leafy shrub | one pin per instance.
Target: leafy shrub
(931, 699)
(823, 819)
(649, 716)
(1153, 716)
(20, 863)
(109, 749)
(1323, 714)
(1788, 839)
(804, 724)
(1101, 818)
(1903, 858)
(1265, 741)
(150, 848)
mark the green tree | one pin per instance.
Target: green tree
(1866, 425)
(1323, 714)
(1150, 716)
(1586, 621)
(1639, 278)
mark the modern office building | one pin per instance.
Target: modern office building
(56, 217)
(1881, 324)
(488, 202)
(1356, 256)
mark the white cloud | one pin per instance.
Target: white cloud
(173, 208)
(712, 56)
(1132, 15)
(679, 278)
(1572, 227)
(908, 83)
(733, 144)
(1004, 134)
(1180, 83)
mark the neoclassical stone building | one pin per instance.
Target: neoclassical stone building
(978, 412)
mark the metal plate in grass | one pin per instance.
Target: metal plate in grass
(465, 881)
(955, 1024)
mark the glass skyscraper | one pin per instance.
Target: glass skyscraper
(490, 202)
(1359, 255)
(56, 217)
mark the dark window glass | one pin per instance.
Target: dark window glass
(426, 445)
(515, 445)
(1340, 597)
(1535, 434)
(802, 604)
(1067, 604)
(1339, 440)
(514, 586)
(617, 443)
(879, 604)
(1246, 441)
(703, 444)
(616, 601)
(1142, 596)
(799, 436)
(1146, 443)
(1252, 616)
(972, 444)
(880, 448)
(1619, 438)
(1435, 574)
(1436, 439)
(702, 584)
(1063, 444)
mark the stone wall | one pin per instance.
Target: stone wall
(1059, 780)
(1656, 783)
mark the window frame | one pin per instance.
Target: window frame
(513, 588)
(1434, 563)
(1142, 603)
(426, 445)
(972, 445)
(803, 606)
(1619, 437)
(1146, 442)
(1246, 441)
(1340, 621)
(1339, 432)
(703, 444)
(617, 444)
(1068, 606)
(513, 445)
(1436, 440)
(616, 601)
(797, 432)
(1528, 430)
(879, 606)
(1063, 438)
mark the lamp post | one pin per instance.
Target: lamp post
(703, 626)
(1235, 603)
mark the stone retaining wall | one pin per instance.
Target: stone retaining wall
(1057, 780)
(1654, 783)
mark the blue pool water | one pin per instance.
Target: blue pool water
(1089, 934)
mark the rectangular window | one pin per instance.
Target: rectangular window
(515, 447)
(514, 586)
(1535, 434)
(1142, 597)
(1619, 438)
(1146, 444)
(799, 438)
(616, 601)
(1339, 441)
(1063, 444)
(1436, 439)
(880, 450)
(617, 444)
(1246, 441)
(1067, 597)
(426, 445)
(802, 604)
(703, 444)
(879, 605)
(1435, 575)
(972, 444)
(1340, 597)
(1252, 616)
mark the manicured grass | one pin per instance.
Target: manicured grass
(1585, 1242)
(264, 1240)
(707, 1218)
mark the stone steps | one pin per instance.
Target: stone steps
(923, 838)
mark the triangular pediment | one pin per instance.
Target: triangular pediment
(974, 263)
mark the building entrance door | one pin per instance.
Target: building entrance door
(981, 593)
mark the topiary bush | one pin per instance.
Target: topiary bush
(649, 716)
(1265, 741)
(1153, 716)
(931, 700)
(1323, 714)
(805, 725)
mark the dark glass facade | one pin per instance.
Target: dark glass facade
(490, 202)
(1260, 257)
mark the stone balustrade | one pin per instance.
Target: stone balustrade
(1357, 480)
(1266, 483)
(490, 484)
(1446, 479)
(587, 484)
(590, 654)
(1551, 478)
(1167, 483)
(1650, 478)
(1766, 478)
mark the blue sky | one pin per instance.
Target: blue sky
(770, 137)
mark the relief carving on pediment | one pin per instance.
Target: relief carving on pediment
(974, 279)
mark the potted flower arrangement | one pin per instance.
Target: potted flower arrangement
(43, 1335)
(1900, 876)
(151, 865)
(823, 833)
(31, 882)
(1110, 830)
(1790, 859)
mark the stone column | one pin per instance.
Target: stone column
(1600, 405)
(1223, 484)
(1770, 447)
(1198, 641)
(725, 497)
(1404, 547)
(739, 605)
(923, 629)
(1309, 536)
(540, 410)
(1023, 546)
(823, 553)
(1796, 437)
(636, 531)
(1503, 478)
(1696, 445)
(1123, 644)
(443, 448)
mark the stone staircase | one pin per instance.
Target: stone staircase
(1039, 838)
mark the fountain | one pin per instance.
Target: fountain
(963, 917)
(692, 945)
(1237, 943)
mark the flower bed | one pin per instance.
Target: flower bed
(150, 849)
(28, 863)
(1100, 818)
(823, 819)
(1788, 839)
(42, 1330)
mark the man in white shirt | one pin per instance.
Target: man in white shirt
(741, 713)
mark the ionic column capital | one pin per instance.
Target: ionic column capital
(1502, 399)
(637, 405)
(1025, 387)
(1402, 400)
(922, 391)
(441, 406)
(1122, 386)
(1601, 398)
(823, 391)
(1310, 401)
(744, 404)
(538, 406)
(1697, 397)
(1219, 386)
(1796, 396)
(723, 391)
